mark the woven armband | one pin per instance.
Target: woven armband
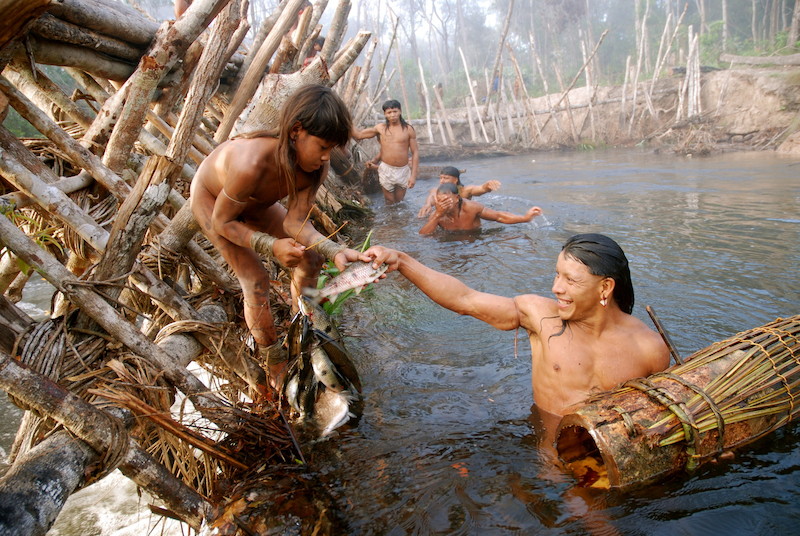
(262, 243)
(329, 248)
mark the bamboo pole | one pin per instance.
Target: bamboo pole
(496, 73)
(567, 105)
(472, 131)
(640, 48)
(540, 70)
(437, 92)
(474, 98)
(424, 88)
(403, 89)
(529, 111)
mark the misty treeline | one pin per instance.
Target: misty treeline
(548, 40)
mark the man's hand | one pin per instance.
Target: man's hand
(382, 255)
(491, 185)
(444, 205)
(533, 212)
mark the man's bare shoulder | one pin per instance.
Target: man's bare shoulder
(648, 342)
(471, 207)
(533, 309)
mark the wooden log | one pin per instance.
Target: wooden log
(17, 15)
(722, 397)
(263, 31)
(56, 465)
(38, 81)
(49, 27)
(336, 31)
(274, 90)
(164, 170)
(170, 44)
(65, 55)
(52, 199)
(348, 56)
(102, 433)
(111, 181)
(105, 315)
(789, 59)
(109, 18)
(62, 206)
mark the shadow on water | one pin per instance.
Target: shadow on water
(446, 444)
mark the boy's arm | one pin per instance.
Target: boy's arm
(297, 226)
(472, 190)
(431, 225)
(507, 217)
(428, 205)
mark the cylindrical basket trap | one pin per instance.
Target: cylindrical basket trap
(724, 396)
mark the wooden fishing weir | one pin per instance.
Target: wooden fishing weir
(98, 208)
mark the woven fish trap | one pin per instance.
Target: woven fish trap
(724, 396)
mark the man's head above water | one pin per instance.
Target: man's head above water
(604, 257)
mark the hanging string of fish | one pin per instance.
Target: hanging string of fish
(322, 383)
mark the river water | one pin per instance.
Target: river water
(445, 445)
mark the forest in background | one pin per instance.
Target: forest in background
(549, 41)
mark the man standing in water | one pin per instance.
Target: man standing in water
(397, 139)
(454, 213)
(583, 342)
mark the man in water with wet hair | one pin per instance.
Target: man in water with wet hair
(583, 342)
(453, 175)
(397, 139)
(453, 213)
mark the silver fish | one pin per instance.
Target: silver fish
(333, 410)
(325, 370)
(319, 318)
(356, 276)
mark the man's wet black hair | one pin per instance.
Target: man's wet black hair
(392, 103)
(605, 258)
(451, 170)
